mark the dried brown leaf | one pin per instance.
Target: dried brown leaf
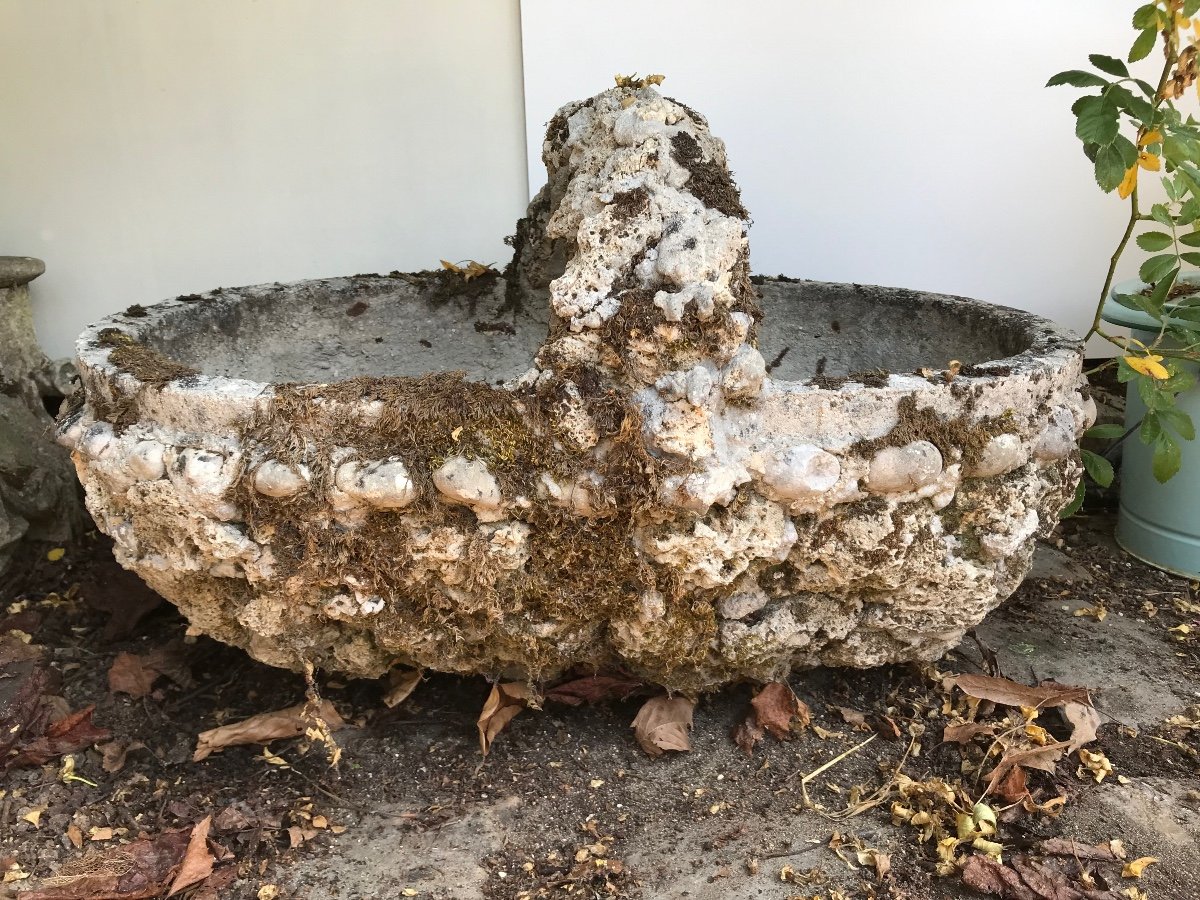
(852, 716)
(264, 728)
(1023, 879)
(129, 674)
(197, 860)
(1077, 849)
(748, 733)
(1084, 722)
(501, 707)
(776, 705)
(136, 871)
(966, 732)
(1135, 868)
(1010, 693)
(663, 723)
(67, 735)
(114, 752)
(401, 684)
(1042, 758)
(593, 689)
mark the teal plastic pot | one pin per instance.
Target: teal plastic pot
(1158, 523)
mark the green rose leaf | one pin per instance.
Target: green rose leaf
(1153, 241)
(1107, 432)
(1108, 64)
(1168, 457)
(1150, 429)
(1110, 168)
(1146, 16)
(1159, 213)
(1179, 420)
(1156, 267)
(1143, 45)
(1077, 78)
(1076, 502)
(1139, 108)
(1098, 120)
(1098, 468)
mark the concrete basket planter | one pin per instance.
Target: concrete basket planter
(1157, 523)
(648, 461)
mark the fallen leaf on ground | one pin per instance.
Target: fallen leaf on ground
(129, 674)
(114, 752)
(141, 869)
(1010, 693)
(748, 733)
(1084, 722)
(593, 689)
(232, 819)
(264, 728)
(501, 707)
(135, 674)
(663, 723)
(880, 861)
(851, 716)
(1096, 763)
(401, 684)
(34, 816)
(966, 732)
(1042, 758)
(776, 705)
(1134, 868)
(197, 860)
(75, 732)
(1013, 786)
(1023, 879)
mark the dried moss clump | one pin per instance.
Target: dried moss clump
(710, 182)
(920, 423)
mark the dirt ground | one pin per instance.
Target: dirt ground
(567, 804)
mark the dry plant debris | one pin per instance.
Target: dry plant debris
(401, 684)
(292, 722)
(148, 867)
(471, 270)
(774, 709)
(36, 726)
(501, 707)
(663, 724)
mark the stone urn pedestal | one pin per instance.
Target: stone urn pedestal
(39, 497)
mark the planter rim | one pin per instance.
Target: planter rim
(1116, 314)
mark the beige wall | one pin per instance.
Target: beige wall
(155, 147)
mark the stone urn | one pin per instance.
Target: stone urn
(624, 454)
(39, 498)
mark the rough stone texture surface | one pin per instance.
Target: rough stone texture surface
(636, 469)
(38, 495)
